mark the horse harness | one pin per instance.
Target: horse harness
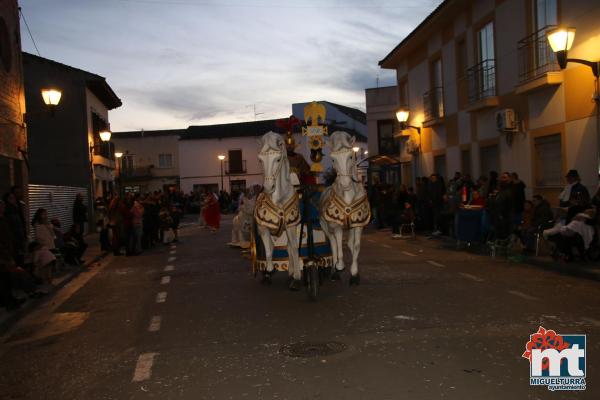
(354, 215)
(274, 217)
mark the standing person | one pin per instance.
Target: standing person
(437, 190)
(176, 217)
(114, 224)
(166, 224)
(212, 212)
(518, 195)
(137, 215)
(79, 212)
(492, 183)
(17, 226)
(500, 208)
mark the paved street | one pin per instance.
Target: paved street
(190, 322)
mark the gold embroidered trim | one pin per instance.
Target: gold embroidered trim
(357, 214)
(275, 218)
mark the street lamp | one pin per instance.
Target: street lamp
(561, 39)
(118, 156)
(51, 96)
(402, 117)
(221, 158)
(105, 135)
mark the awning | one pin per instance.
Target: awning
(379, 160)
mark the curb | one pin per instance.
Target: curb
(7, 321)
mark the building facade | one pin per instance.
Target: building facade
(65, 148)
(149, 161)
(484, 86)
(13, 134)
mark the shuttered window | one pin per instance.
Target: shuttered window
(548, 161)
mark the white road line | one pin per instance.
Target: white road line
(155, 324)
(161, 297)
(522, 295)
(592, 321)
(169, 268)
(472, 277)
(173, 252)
(173, 247)
(143, 368)
(171, 259)
(387, 246)
(407, 253)
(165, 280)
(370, 241)
(437, 264)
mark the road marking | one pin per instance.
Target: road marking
(522, 295)
(165, 280)
(171, 259)
(169, 268)
(405, 317)
(173, 252)
(143, 368)
(387, 246)
(370, 241)
(407, 253)
(161, 297)
(155, 324)
(437, 264)
(173, 247)
(592, 321)
(472, 277)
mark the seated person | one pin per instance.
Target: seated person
(75, 246)
(578, 234)
(477, 199)
(42, 261)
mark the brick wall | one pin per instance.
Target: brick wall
(12, 97)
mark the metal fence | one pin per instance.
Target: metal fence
(57, 200)
(482, 80)
(536, 56)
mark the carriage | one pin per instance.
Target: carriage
(299, 230)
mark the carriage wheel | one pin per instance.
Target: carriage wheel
(312, 278)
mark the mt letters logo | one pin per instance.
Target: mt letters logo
(556, 361)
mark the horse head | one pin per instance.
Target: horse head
(343, 157)
(273, 159)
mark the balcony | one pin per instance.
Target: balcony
(537, 62)
(433, 104)
(481, 80)
(235, 168)
(137, 173)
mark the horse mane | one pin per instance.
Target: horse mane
(340, 140)
(269, 141)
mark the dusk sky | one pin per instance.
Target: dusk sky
(176, 63)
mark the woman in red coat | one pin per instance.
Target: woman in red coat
(212, 211)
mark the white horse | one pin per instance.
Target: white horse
(344, 205)
(277, 208)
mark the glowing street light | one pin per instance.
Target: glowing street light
(105, 136)
(221, 158)
(118, 154)
(51, 96)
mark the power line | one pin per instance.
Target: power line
(28, 30)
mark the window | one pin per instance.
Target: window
(235, 164)
(5, 46)
(489, 159)
(545, 13)
(486, 58)
(548, 160)
(385, 137)
(439, 165)
(461, 58)
(165, 160)
(465, 161)
(238, 185)
(127, 164)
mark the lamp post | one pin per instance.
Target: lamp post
(221, 158)
(51, 97)
(561, 39)
(118, 156)
(402, 117)
(104, 137)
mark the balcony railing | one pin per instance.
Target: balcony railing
(136, 172)
(433, 103)
(105, 149)
(235, 168)
(482, 80)
(536, 57)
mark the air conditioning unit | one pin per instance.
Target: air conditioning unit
(506, 120)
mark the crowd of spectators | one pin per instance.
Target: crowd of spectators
(434, 205)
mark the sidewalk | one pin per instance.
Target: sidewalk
(588, 270)
(92, 255)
